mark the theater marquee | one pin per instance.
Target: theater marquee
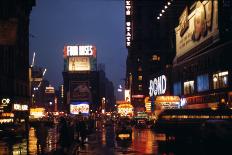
(199, 26)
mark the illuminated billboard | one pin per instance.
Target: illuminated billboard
(79, 108)
(79, 90)
(200, 26)
(127, 95)
(80, 50)
(78, 64)
(128, 12)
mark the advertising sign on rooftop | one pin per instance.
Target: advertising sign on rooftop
(198, 27)
(79, 64)
(79, 50)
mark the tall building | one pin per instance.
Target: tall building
(81, 86)
(202, 66)
(145, 53)
(106, 90)
(14, 53)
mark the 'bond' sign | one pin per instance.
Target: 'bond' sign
(158, 86)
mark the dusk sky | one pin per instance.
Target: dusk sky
(55, 23)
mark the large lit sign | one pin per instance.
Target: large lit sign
(85, 50)
(72, 50)
(198, 27)
(20, 107)
(79, 64)
(127, 95)
(79, 107)
(128, 7)
(168, 102)
(158, 86)
(125, 109)
(37, 112)
(5, 101)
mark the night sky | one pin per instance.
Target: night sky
(55, 23)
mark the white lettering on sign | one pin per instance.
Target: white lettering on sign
(158, 86)
(5, 101)
(128, 11)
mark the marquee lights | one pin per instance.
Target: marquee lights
(163, 10)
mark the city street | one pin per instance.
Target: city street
(100, 142)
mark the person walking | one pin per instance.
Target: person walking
(63, 138)
(83, 130)
(41, 134)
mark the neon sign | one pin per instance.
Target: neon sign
(128, 6)
(158, 86)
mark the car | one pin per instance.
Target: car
(123, 132)
(141, 123)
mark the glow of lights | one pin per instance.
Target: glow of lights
(215, 79)
(50, 103)
(122, 136)
(169, 3)
(158, 17)
(77, 108)
(165, 6)
(163, 11)
(160, 14)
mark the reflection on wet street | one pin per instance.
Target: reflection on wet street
(22, 146)
(103, 142)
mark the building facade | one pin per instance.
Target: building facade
(14, 54)
(145, 53)
(202, 66)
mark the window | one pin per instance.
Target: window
(155, 58)
(202, 83)
(220, 80)
(140, 78)
(189, 87)
(140, 87)
(177, 88)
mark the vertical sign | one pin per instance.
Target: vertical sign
(128, 11)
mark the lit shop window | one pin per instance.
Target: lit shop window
(177, 88)
(140, 78)
(155, 58)
(202, 83)
(140, 87)
(220, 80)
(189, 87)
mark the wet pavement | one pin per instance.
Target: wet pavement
(24, 146)
(103, 142)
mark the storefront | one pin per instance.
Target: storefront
(202, 66)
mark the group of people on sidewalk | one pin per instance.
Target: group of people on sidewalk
(74, 130)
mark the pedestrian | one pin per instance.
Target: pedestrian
(77, 130)
(41, 134)
(70, 132)
(83, 131)
(63, 139)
